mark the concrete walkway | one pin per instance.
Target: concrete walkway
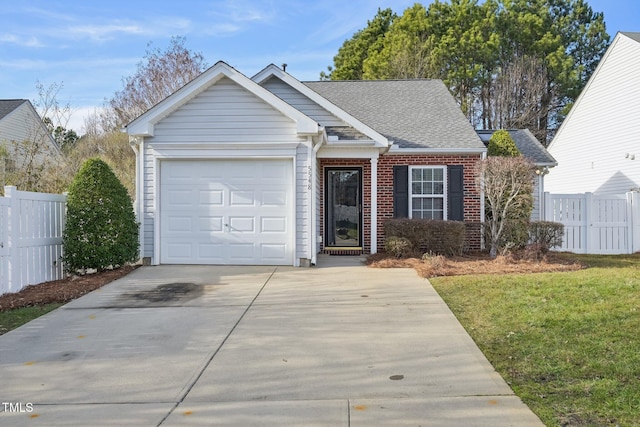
(338, 345)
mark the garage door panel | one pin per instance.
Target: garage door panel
(180, 250)
(275, 253)
(274, 198)
(242, 198)
(180, 197)
(242, 224)
(211, 197)
(179, 224)
(273, 225)
(226, 212)
(211, 251)
(241, 252)
(210, 223)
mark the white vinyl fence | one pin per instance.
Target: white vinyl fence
(595, 224)
(31, 226)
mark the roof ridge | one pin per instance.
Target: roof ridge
(371, 81)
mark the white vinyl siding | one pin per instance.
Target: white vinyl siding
(226, 114)
(23, 124)
(427, 192)
(303, 202)
(602, 128)
(301, 102)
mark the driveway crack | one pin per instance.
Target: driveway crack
(215, 353)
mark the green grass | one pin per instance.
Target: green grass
(567, 343)
(12, 319)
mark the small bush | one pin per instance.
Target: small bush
(399, 247)
(501, 144)
(546, 234)
(425, 235)
(101, 229)
(434, 261)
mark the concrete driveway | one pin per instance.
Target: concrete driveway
(339, 345)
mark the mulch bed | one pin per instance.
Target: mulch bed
(63, 290)
(475, 264)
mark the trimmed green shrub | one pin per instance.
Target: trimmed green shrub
(426, 235)
(501, 144)
(101, 229)
(546, 234)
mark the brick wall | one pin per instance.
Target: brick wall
(471, 194)
(385, 191)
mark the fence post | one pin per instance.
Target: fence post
(588, 229)
(10, 192)
(634, 235)
(546, 205)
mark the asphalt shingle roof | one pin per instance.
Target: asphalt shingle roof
(526, 143)
(411, 113)
(634, 36)
(8, 105)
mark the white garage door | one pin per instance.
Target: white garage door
(226, 212)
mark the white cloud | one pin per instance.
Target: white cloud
(21, 41)
(247, 11)
(107, 31)
(78, 116)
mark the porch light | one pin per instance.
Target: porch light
(542, 170)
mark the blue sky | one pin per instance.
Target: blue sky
(89, 46)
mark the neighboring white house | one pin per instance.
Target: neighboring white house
(598, 145)
(20, 122)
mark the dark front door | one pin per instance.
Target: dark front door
(343, 207)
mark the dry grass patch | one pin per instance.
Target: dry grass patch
(435, 266)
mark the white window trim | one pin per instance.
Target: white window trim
(445, 190)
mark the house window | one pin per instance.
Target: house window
(427, 189)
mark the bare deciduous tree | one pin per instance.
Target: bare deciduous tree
(159, 75)
(26, 162)
(507, 184)
(518, 95)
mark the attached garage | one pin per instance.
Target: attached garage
(227, 211)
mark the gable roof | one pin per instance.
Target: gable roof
(527, 144)
(411, 113)
(8, 105)
(618, 39)
(144, 125)
(357, 129)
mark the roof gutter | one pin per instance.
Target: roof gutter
(475, 150)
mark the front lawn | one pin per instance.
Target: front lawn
(568, 343)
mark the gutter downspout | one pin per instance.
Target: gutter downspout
(137, 148)
(313, 160)
(482, 218)
(374, 205)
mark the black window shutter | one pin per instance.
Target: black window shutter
(455, 194)
(401, 191)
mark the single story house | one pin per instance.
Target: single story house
(598, 144)
(272, 170)
(534, 151)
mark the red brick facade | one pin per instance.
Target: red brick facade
(472, 205)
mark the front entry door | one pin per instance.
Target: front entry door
(343, 208)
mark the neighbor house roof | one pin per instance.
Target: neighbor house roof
(526, 143)
(633, 36)
(411, 113)
(8, 105)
